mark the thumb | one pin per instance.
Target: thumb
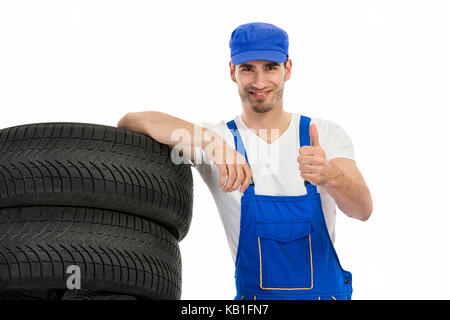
(314, 135)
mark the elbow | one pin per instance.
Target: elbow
(362, 212)
(366, 206)
(125, 120)
(128, 121)
(365, 216)
(139, 121)
(366, 212)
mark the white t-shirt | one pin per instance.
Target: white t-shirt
(274, 169)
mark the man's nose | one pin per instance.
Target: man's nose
(259, 81)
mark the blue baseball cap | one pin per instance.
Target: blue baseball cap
(258, 41)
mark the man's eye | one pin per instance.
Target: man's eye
(273, 68)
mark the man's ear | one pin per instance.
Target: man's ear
(232, 72)
(288, 68)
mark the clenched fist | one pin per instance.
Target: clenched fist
(313, 164)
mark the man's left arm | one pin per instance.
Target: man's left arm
(346, 185)
(340, 177)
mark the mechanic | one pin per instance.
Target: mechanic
(280, 224)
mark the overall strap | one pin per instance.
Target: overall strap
(241, 149)
(303, 132)
(237, 139)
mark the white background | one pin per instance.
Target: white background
(380, 69)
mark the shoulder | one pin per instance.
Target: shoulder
(326, 126)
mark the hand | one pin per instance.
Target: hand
(313, 164)
(231, 165)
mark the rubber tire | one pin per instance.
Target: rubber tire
(94, 295)
(114, 251)
(38, 294)
(90, 165)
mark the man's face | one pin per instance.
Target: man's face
(261, 83)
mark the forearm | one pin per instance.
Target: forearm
(165, 128)
(351, 194)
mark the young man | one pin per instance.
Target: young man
(280, 223)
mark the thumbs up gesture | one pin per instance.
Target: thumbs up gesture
(312, 161)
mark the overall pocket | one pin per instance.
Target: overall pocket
(285, 255)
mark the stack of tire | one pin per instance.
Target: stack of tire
(107, 200)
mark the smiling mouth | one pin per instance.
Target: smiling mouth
(260, 94)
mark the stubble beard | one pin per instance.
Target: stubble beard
(262, 106)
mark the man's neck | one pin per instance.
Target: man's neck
(276, 119)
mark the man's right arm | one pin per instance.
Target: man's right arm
(165, 129)
(186, 136)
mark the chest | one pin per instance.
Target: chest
(274, 166)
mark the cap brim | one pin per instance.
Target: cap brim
(269, 55)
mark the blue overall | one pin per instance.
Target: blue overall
(284, 249)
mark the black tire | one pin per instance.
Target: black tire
(114, 251)
(90, 165)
